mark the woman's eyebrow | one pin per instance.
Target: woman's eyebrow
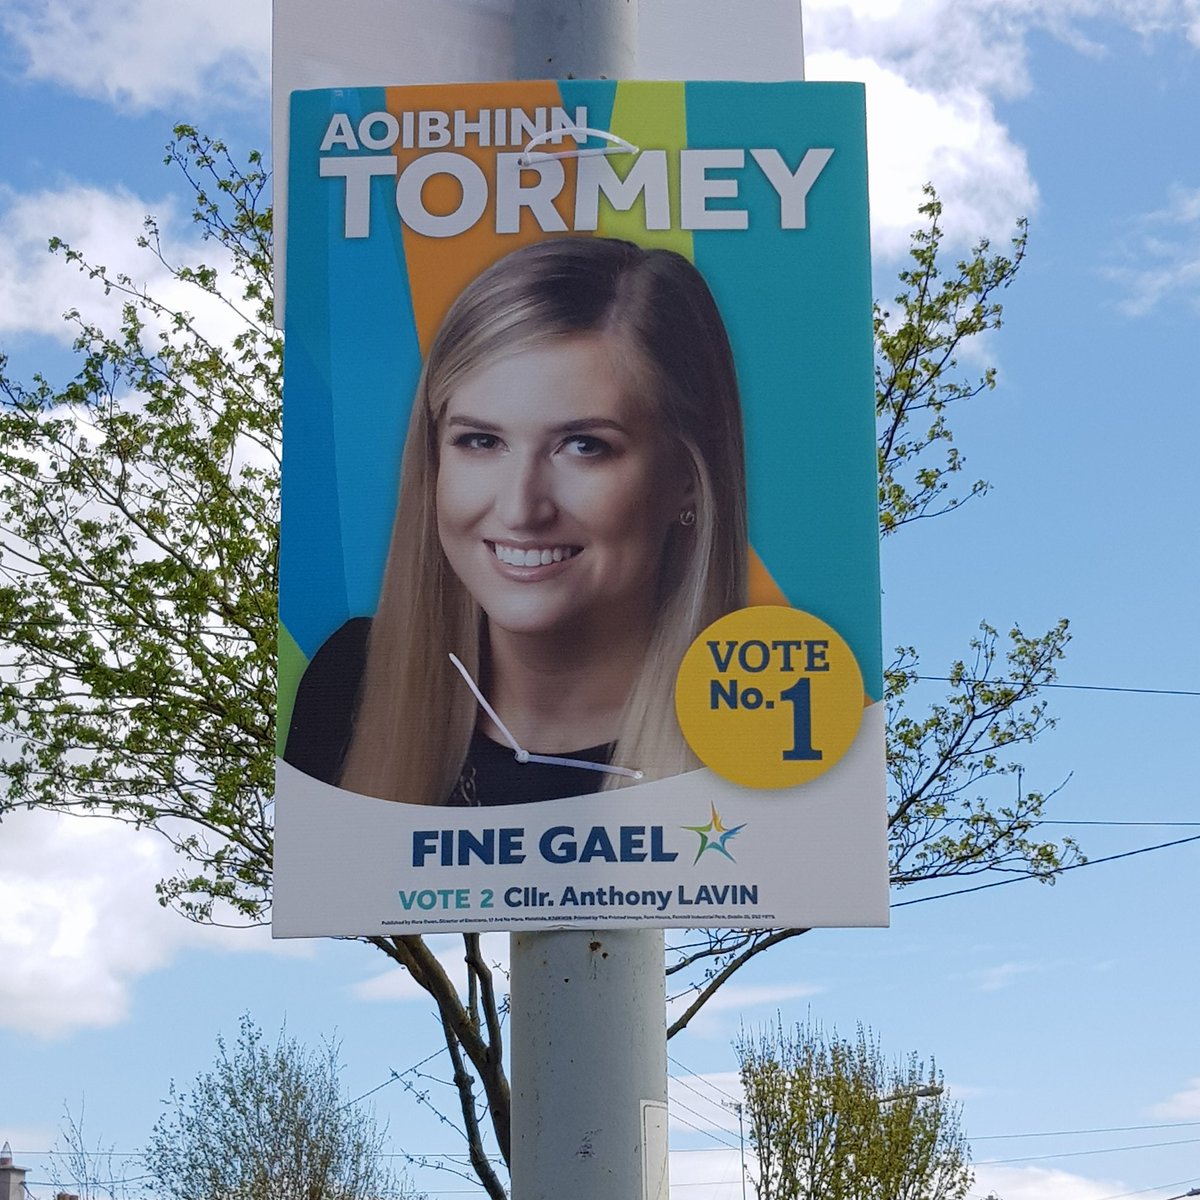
(585, 424)
(578, 425)
(470, 422)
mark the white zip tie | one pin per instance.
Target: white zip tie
(524, 756)
(530, 155)
(491, 712)
(583, 763)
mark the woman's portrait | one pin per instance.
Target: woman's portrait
(571, 514)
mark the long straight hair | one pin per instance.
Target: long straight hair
(416, 716)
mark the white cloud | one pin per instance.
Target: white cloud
(1184, 1105)
(1041, 1183)
(37, 287)
(1149, 17)
(934, 70)
(984, 44)
(395, 983)
(82, 924)
(952, 139)
(705, 1102)
(959, 1092)
(741, 996)
(1162, 257)
(962, 44)
(141, 54)
(994, 978)
(715, 1174)
(735, 998)
(719, 1171)
(24, 1140)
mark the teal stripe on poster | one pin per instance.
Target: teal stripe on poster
(809, 412)
(376, 376)
(335, 532)
(596, 95)
(312, 581)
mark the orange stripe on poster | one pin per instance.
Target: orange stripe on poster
(439, 268)
(762, 588)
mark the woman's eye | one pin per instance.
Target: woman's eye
(586, 447)
(477, 441)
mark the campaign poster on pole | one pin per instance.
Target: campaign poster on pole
(579, 595)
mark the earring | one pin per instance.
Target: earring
(687, 517)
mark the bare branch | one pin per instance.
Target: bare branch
(706, 993)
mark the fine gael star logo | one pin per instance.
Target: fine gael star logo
(714, 835)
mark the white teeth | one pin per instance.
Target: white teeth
(516, 557)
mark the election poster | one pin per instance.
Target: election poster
(579, 585)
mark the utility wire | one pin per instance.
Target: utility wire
(1130, 824)
(412, 1155)
(1098, 824)
(701, 1116)
(703, 1079)
(454, 1192)
(1071, 687)
(1093, 862)
(110, 1184)
(1158, 1187)
(395, 1075)
(987, 1137)
(998, 1137)
(696, 1092)
(707, 1133)
(992, 1162)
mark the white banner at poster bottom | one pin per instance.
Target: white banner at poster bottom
(694, 850)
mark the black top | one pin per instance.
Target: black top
(323, 724)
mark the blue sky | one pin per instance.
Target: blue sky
(1053, 1011)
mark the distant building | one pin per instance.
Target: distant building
(12, 1178)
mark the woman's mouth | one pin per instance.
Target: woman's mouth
(532, 556)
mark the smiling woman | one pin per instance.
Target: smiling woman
(571, 515)
(554, 509)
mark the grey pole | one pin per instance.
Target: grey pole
(588, 1010)
(589, 1066)
(741, 1143)
(576, 39)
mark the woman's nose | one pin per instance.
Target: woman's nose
(525, 499)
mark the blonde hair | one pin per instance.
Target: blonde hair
(415, 716)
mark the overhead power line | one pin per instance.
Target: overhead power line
(706, 1132)
(999, 1137)
(724, 1104)
(1130, 824)
(703, 1079)
(394, 1077)
(1069, 687)
(1098, 823)
(993, 1162)
(1158, 1187)
(1093, 862)
(1047, 1133)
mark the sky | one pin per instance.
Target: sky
(1064, 1017)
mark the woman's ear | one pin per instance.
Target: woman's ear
(683, 493)
(687, 477)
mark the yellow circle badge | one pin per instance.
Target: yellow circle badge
(769, 697)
